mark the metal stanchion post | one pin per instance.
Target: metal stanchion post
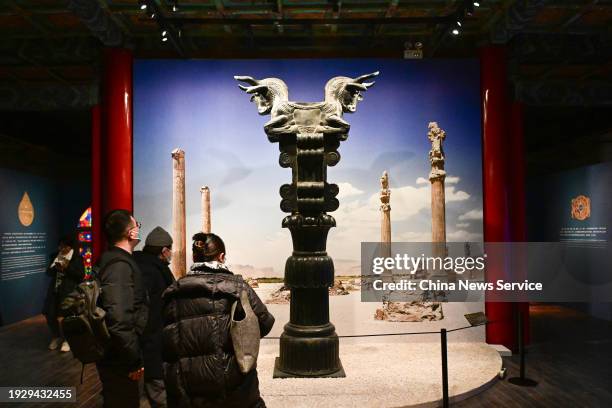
(521, 380)
(444, 368)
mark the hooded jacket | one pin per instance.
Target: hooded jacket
(200, 368)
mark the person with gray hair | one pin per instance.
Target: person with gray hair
(153, 263)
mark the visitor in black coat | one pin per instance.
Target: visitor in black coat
(66, 271)
(153, 263)
(200, 367)
(123, 298)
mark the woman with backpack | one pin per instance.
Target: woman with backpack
(200, 365)
(66, 271)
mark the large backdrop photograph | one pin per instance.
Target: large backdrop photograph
(198, 107)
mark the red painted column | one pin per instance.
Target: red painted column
(96, 182)
(496, 189)
(117, 130)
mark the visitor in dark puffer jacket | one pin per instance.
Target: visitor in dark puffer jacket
(200, 368)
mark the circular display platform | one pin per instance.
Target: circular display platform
(384, 375)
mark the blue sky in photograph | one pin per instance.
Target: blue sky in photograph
(196, 105)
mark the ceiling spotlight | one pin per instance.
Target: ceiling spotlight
(152, 15)
(455, 31)
(164, 39)
(476, 4)
(174, 8)
(459, 23)
(469, 9)
(143, 6)
(164, 33)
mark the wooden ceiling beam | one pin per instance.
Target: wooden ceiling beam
(579, 14)
(47, 96)
(27, 15)
(563, 93)
(597, 70)
(313, 21)
(221, 9)
(516, 18)
(99, 21)
(390, 12)
(117, 20)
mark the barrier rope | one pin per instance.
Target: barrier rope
(392, 334)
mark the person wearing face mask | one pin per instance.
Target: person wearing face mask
(123, 297)
(153, 263)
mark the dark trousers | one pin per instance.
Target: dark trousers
(52, 316)
(118, 390)
(54, 326)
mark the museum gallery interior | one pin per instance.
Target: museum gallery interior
(337, 147)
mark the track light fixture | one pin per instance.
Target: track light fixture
(455, 31)
(469, 8)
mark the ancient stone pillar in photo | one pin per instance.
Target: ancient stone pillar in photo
(385, 228)
(385, 210)
(437, 176)
(205, 209)
(308, 137)
(179, 260)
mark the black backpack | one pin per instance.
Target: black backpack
(83, 326)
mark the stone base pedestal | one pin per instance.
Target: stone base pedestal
(281, 374)
(309, 351)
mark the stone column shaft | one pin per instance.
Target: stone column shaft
(385, 218)
(437, 176)
(385, 228)
(205, 209)
(179, 260)
(438, 211)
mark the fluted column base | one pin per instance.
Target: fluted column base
(309, 351)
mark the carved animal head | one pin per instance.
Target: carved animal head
(347, 91)
(265, 92)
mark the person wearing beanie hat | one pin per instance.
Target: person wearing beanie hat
(159, 237)
(153, 262)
